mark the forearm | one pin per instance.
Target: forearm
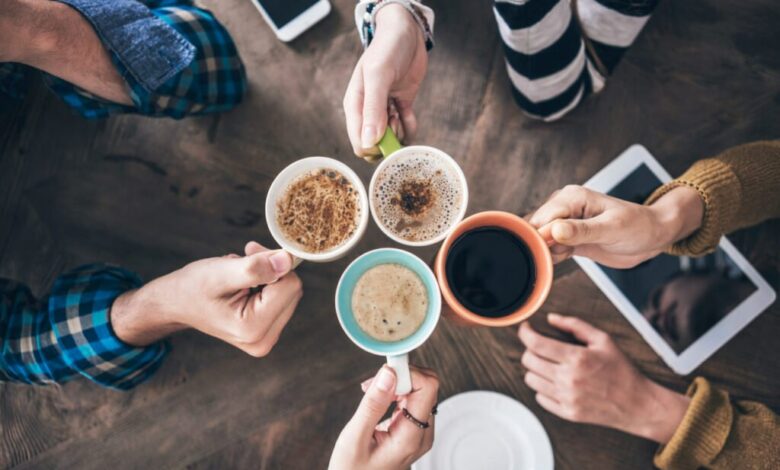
(55, 38)
(718, 434)
(70, 333)
(738, 188)
(138, 321)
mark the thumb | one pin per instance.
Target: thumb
(256, 269)
(578, 232)
(376, 89)
(378, 398)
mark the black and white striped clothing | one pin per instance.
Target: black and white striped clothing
(550, 67)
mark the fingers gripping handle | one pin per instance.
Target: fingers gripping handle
(400, 365)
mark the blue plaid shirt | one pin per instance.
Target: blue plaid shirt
(68, 334)
(187, 63)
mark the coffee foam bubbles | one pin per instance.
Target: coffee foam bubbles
(441, 207)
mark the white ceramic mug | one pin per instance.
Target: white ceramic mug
(393, 151)
(277, 190)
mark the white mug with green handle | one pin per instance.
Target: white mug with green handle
(393, 152)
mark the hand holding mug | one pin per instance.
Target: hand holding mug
(397, 442)
(386, 78)
(243, 300)
(595, 383)
(614, 232)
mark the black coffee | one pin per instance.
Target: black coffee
(490, 271)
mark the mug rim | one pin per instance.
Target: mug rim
(292, 171)
(434, 308)
(536, 244)
(451, 162)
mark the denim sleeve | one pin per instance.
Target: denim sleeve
(213, 80)
(69, 333)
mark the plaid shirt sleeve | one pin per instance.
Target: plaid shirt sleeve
(69, 333)
(214, 81)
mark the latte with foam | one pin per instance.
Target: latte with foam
(418, 196)
(389, 302)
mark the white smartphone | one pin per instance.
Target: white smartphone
(289, 18)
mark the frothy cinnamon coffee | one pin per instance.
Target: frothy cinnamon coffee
(319, 211)
(417, 197)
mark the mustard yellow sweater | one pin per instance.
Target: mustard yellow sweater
(740, 187)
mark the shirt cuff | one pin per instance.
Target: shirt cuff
(79, 308)
(702, 432)
(365, 24)
(159, 54)
(720, 191)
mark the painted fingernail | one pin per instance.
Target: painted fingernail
(368, 138)
(384, 380)
(281, 262)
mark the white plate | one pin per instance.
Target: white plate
(487, 430)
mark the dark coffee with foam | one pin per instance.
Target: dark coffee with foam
(417, 197)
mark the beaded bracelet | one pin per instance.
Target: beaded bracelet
(366, 11)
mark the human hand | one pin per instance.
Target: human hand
(385, 81)
(243, 300)
(614, 232)
(396, 442)
(595, 383)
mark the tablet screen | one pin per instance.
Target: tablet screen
(680, 297)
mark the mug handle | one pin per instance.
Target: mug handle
(388, 143)
(295, 261)
(403, 378)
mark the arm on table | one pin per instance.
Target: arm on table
(719, 434)
(69, 333)
(55, 38)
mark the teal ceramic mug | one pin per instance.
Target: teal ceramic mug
(396, 351)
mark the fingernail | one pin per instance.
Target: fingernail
(281, 262)
(563, 231)
(365, 383)
(384, 380)
(553, 316)
(368, 138)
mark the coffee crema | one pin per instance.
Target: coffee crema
(389, 302)
(319, 210)
(417, 197)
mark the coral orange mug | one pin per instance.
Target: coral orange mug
(454, 310)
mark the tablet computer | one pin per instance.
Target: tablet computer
(685, 308)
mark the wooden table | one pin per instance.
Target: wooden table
(154, 194)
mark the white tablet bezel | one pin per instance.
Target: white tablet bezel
(685, 362)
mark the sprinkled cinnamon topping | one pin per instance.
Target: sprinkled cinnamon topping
(319, 210)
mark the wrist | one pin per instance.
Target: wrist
(399, 18)
(661, 412)
(678, 214)
(137, 322)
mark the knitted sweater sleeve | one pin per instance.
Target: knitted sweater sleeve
(717, 433)
(740, 187)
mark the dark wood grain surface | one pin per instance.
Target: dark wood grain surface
(154, 194)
